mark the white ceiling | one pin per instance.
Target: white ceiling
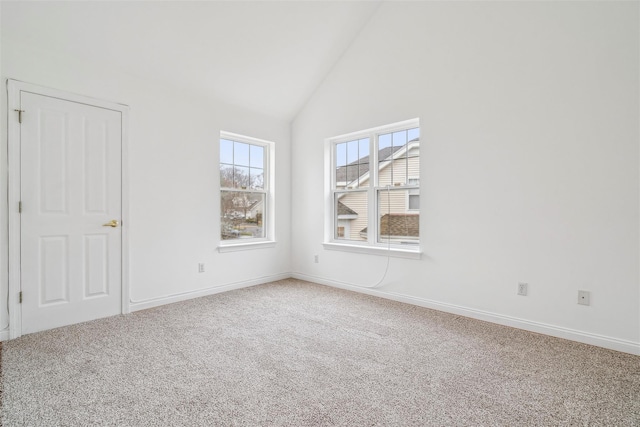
(265, 56)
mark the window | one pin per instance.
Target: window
(374, 187)
(245, 195)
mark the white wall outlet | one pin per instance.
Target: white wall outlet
(316, 259)
(200, 267)
(523, 288)
(584, 297)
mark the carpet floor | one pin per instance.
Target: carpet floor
(293, 353)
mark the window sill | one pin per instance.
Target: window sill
(374, 250)
(234, 247)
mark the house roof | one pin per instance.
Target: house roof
(345, 210)
(254, 204)
(407, 225)
(350, 172)
(360, 167)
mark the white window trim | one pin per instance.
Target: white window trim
(373, 250)
(235, 247)
(269, 240)
(371, 247)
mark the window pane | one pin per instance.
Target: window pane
(241, 154)
(341, 154)
(399, 142)
(384, 141)
(352, 164)
(256, 179)
(352, 176)
(363, 170)
(413, 134)
(341, 168)
(400, 171)
(241, 177)
(413, 161)
(397, 163)
(363, 175)
(414, 202)
(256, 154)
(351, 213)
(385, 155)
(241, 215)
(364, 150)
(226, 151)
(395, 222)
(226, 176)
(385, 173)
(352, 152)
(414, 194)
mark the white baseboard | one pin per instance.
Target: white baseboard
(542, 328)
(168, 299)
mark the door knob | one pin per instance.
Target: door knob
(112, 223)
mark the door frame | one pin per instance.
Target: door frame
(14, 88)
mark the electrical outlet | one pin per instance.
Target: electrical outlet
(584, 297)
(200, 267)
(315, 259)
(523, 288)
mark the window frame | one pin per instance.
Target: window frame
(268, 215)
(371, 245)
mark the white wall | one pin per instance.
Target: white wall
(4, 237)
(530, 160)
(174, 210)
(530, 134)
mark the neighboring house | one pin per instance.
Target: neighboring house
(241, 216)
(237, 205)
(255, 211)
(345, 216)
(399, 209)
(401, 227)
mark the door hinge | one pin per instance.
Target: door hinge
(20, 206)
(19, 115)
(20, 297)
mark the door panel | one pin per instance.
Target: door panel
(52, 148)
(95, 259)
(70, 187)
(95, 167)
(53, 277)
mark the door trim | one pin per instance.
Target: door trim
(14, 88)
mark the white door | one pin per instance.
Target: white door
(70, 186)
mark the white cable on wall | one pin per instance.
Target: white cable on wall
(386, 270)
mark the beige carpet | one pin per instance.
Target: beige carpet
(299, 354)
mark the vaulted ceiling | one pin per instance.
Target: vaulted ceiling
(265, 56)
